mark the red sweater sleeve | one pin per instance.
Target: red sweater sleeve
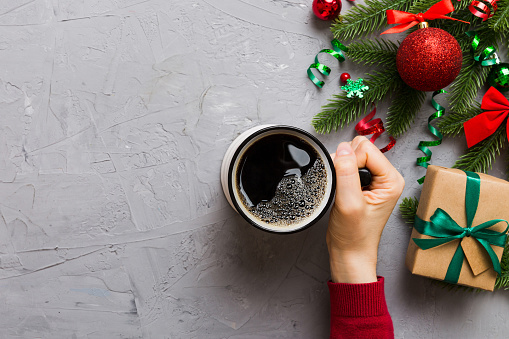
(359, 311)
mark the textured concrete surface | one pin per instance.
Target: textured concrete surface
(115, 115)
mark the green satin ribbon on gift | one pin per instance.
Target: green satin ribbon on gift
(485, 58)
(337, 52)
(445, 229)
(423, 145)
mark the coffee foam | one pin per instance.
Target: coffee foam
(295, 199)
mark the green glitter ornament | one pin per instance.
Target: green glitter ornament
(499, 77)
(355, 88)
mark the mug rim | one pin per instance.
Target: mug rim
(249, 139)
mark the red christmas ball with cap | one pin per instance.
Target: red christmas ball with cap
(428, 59)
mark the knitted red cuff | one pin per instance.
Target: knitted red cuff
(358, 300)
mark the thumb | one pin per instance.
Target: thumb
(348, 186)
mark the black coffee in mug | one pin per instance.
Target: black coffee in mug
(281, 179)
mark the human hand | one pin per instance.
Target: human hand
(358, 217)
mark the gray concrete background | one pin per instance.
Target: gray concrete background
(115, 115)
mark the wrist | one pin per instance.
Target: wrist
(352, 268)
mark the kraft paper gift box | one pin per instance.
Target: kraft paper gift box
(446, 189)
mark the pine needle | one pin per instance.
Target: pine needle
(408, 209)
(452, 123)
(362, 20)
(373, 52)
(472, 75)
(421, 6)
(479, 158)
(500, 20)
(464, 89)
(455, 28)
(404, 109)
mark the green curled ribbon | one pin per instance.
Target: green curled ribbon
(423, 145)
(337, 52)
(445, 229)
(488, 57)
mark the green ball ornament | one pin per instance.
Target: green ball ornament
(499, 77)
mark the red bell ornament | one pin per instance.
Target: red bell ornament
(326, 9)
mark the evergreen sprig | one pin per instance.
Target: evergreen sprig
(421, 6)
(408, 209)
(452, 123)
(455, 28)
(404, 109)
(379, 52)
(464, 89)
(500, 20)
(362, 20)
(472, 75)
(479, 158)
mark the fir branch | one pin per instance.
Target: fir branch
(464, 89)
(340, 110)
(452, 123)
(408, 209)
(502, 282)
(472, 75)
(500, 20)
(479, 158)
(487, 37)
(455, 28)
(421, 6)
(373, 52)
(404, 109)
(362, 20)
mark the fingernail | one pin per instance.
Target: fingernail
(344, 149)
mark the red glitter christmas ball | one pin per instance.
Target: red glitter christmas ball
(327, 9)
(429, 59)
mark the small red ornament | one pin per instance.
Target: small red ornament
(344, 77)
(326, 9)
(429, 59)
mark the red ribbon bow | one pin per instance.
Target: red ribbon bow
(485, 124)
(375, 127)
(407, 20)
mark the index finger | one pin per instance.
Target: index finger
(369, 156)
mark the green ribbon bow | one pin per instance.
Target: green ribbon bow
(445, 229)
